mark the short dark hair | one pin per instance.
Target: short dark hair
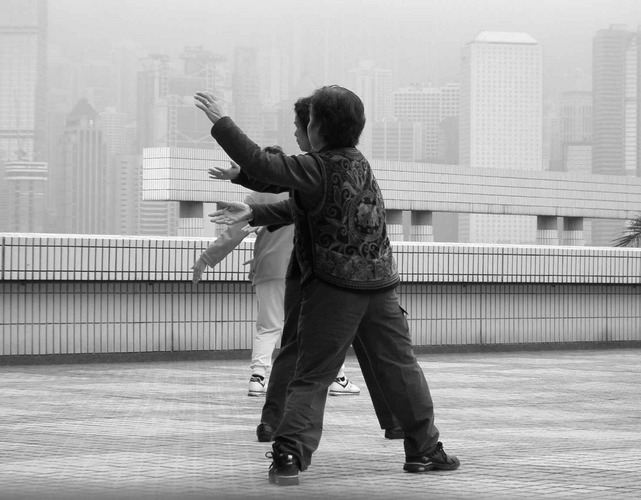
(301, 108)
(339, 114)
(274, 150)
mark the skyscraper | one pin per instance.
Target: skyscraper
(615, 91)
(374, 86)
(616, 103)
(274, 75)
(167, 117)
(26, 196)
(395, 140)
(246, 92)
(501, 120)
(23, 67)
(82, 184)
(575, 131)
(428, 106)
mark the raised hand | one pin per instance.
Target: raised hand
(212, 106)
(231, 212)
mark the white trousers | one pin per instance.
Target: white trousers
(269, 324)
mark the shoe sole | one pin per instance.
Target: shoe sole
(332, 393)
(256, 394)
(284, 480)
(417, 467)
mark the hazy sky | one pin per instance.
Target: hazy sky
(420, 40)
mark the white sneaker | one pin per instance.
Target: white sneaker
(343, 387)
(257, 386)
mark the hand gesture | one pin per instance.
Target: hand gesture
(225, 174)
(250, 229)
(199, 268)
(231, 213)
(212, 107)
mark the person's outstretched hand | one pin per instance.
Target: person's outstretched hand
(212, 107)
(225, 174)
(231, 213)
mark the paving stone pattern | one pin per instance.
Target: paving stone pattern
(531, 425)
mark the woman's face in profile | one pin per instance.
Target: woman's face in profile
(301, 137)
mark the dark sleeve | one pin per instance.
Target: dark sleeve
(261, 187)
(272, 214)
(301, 172)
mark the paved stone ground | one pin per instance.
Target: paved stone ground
(550, 424)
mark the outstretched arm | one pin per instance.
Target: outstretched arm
(302, 172)
(258, 214)
(219, 249)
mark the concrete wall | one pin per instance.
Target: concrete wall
(97, 295)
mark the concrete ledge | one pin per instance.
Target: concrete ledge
(239, 354)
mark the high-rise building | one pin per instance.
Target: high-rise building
(152, 86)
(575, 131)
(616, 103)
(167, 117)
(501, 102)
(23, 108)
(23, 68)
(395, 140)
(274, 74)
(246, 92)
(26, 196)
(374, 86)
(577, 157)
(576, 116)
(501, 121)
(428, 106)
(615, 89)
(83, 188)
(113, 130)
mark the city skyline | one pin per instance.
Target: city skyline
(420, 41)
(140, 86)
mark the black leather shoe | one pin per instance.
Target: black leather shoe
(284, 468)
(436, 460)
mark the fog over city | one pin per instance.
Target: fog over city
(419, 40)
(88, 88)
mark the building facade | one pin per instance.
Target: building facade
(82, 188)
(501, 122)
(616, 139)
(396, 140)
(23, 63)
(373, 85)
(429, 106)
(246, 92)
(23, 106)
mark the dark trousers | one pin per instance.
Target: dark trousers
(285, 364)
(330, 319)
